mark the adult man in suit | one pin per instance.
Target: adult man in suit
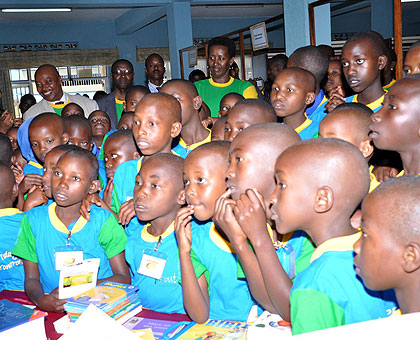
(155, 70)
(122, 75)
(49, 86)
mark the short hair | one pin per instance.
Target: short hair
(89, 160)
(27, 97)
(137, 88)
(78, 122)
(74, 104)
(415, 45)
(233, 94)
(223, 41)
(308, 76)
(51, 117)
(279, 59)
(93, 112)
(65, 147)
(125, 135)
(46, 66)
(174, 106)
(197, 73)
(173, 162)
(153, 55)
(6, 149)
(7, 179)
(327, 49)
(219, 147)
(312, 59)
(99, 94)
(121, 61)
(264, 107)
(374, 37)
(188, 85)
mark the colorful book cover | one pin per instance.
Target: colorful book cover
(13, 314)
(215, 329)
(158, 326)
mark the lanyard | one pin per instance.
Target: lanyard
(158, 243)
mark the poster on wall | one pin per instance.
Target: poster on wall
(192, 56)
(259, 36)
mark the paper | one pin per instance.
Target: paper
(95, 324)
(144, 334)
(76, 279)
(34, 330)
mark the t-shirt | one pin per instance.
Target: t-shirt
(230, 298)
(42, 232)
(163, 295)
(12, 275)
(182, 149)
(119, 107)
(388, 86)
(374, 106)
(329, 293)
(33, 168)
(212, 92)
(308, 129)
(316, 112)
(59, 107)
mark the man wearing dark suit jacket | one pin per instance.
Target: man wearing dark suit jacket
(122, 75)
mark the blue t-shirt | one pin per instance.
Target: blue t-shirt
(163, 295)
(42, 232)
(374, 106)
(33, 168)
(12, 275)
(182, 149)
(308, 129)
(316, 112)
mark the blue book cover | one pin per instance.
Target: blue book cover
(13, 314)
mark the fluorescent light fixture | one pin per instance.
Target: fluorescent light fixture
(34, 10)
(410, 0)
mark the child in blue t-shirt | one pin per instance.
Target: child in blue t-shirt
(11, 268)
(48, 229)
(151, 250)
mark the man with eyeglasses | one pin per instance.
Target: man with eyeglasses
(122, 75)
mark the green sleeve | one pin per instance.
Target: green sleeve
(25, 245)
(115, 202)
(112, 237)
(311, 310)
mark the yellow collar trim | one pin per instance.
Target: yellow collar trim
(36, 165)
(195, 145)
(57, 224)
(9, 212)
(117, 101)
(139, 163)
(402, 172)
(304, 125)
(342, 243)
(146, 236)
(59, 106)
(212, 82)
(374, 105)
(387, 86)
(323, 100)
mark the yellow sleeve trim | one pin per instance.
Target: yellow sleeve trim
(9, 212)
(250, 92)
(36, 165)
(304, 125)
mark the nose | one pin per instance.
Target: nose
(273, 197)
(376, 116)
(190, 191)
(63, 183)
(230, 135)
(230, 173)
(351, 69)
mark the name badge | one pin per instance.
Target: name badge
(152, 264)
(67, 256)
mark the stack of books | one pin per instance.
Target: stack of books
(116, 299)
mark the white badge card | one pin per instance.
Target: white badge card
(152, 263)
(68, 256)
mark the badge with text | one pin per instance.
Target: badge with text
(152, 263)
(68, 256)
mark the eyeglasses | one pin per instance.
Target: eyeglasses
(99, 120)
(121, 72)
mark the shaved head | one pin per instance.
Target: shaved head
(166, 104)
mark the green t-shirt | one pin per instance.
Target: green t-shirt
(119, 107)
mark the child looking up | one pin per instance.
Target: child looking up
(193, 133)
(133, 96)
(412, 59)
(44, 229)
(388, 252)
(228, 101)
(292, 91)
(158, 194)
(126, 121)
(79, 132)
(245, 113)
(11, 273)
(72, 109)
(101, 124)
(157, 121)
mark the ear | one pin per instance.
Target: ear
(197, 101)
(176, 129)
(382, 60)
(180, 199)
(124, 106)
(366, 147)
(95, 186)
(59, 78)
(324, 199)
(65, 137)
(310, 97)
(411, 257)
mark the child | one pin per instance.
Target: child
(208, 262)
(157, 121)
(193, 133)
(118, 148)
(363, 59)
(17, 165)
(101, 124)
(412, 59)
(245, 113)
(394, 127)
(46, 228)
(72, 109)
(126, 121)
(79, 132)
(328, 293)
(292, 91)
(12, 134)
(218, 129)
(133, 96)
(334, 78)
(11, 273)
(227, 102)
(158, 194)
(388, 252)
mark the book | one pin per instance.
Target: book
(158, 326)
(13, 314)
(213, 329)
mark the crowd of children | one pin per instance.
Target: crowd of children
(269, 204)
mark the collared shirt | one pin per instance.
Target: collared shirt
(154, 88)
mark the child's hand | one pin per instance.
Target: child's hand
(18, 172)
(250, 214)
(35, 198)
(87, 202)
(51, 302)
(225, 219)
(337, 97)
(183, 228)
(108, 192)
(126, 212)
(29, 181)
(382, 173)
